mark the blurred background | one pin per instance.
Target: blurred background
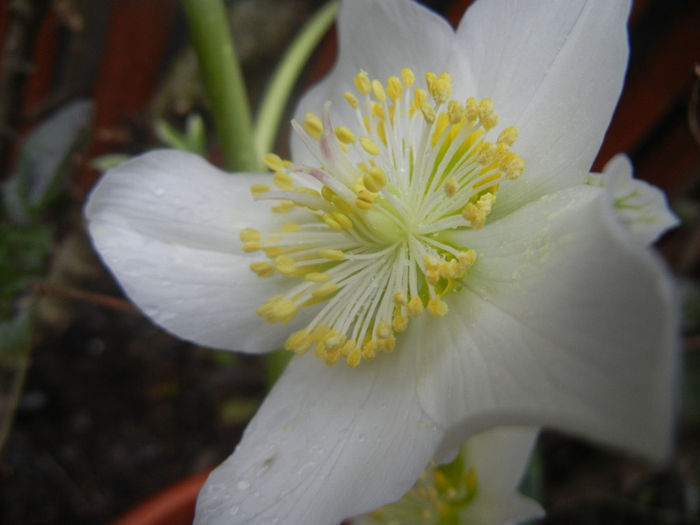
(99, 409)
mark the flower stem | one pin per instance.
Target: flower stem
(223, 80)
(280, 86)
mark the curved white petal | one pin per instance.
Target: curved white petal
(327, 444)
(380, 37)
(554, 70)
(641, 207)
(499, 457)
(563, 322)
(167, 224)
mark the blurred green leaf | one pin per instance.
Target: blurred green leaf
(15, 343)
(193, 139)
(24, 251)
(109, 161)
(43, 160)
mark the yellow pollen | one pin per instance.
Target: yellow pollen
(333, 255)
(383, 330)
(378, 91)
(283, 206)
(249, 234)
(313, 125)
(282, 181)
(324, 290)
(451, 186)
(344, 135)
(408, 77)
(399, 323)
(343, 220)
(394, 88)
(400, 298)
(414, 307)
(283, 310)
(252, 246)
(274, 162)
(354, 357)
(442, 88)
(290, 227)
(508, 136)
(362, 82)
(456, 111)
(487, 115)
(472, 109)
(375, 179)
(428, 113)
(437, 306)
(257, 189)
(262, 268)
(420, 96)
(369, 145)
(317, 277)
(474, 215)
(352, 99)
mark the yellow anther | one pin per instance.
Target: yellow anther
(343, 220)
(456, 111)
(369, 145)
(428, 113)
(432, 276)
(273, 251)
(342, 205)
(334, 340)
(352, 99)
(394, 88)
(313, 125)
(383, 329)
(485, 202)
(263, 268)
(266, 309)
(419, 96)
(354, 357)
(363, 205)
(332, 357)
(471, 108)
(474, 215)
(362, 82)
(249, 234)
(414, 307)
(344, 134)
(283, 206)
(317, 277)
(365, 196)
(369, 349)
(274, 162)
(252, 246)
(437, 306)
(299, 342)
(375, 180)
(378, 91)
(487, 115)
(387, 344)
(377, 110)
(282, 181)
(430, 81)
(381, 132)
(451, 186)
(285, 265)
(431, 263)
(333, 255)
(283, 311)
(348, 347)
(442, 88)
(399, 323)
(513, 165)
(257, 189)
(508, 136)
(451, 270)
(400, 298)
(487, 153)
(408, 77)
(290, 227)
(331, 222)
(467, 259)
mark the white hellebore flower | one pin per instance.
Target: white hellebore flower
(431, 170)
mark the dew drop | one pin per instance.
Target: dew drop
(242, 485)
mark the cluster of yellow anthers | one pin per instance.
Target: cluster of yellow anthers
(369, 236)
(437, 497)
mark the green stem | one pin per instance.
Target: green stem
(223, 80)
(280, 87)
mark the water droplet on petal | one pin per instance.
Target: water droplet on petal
(242, 485)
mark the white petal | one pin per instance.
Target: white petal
(563, 322)
(554, 70)
(327, 444)
(380, 37)
(499, 458)
(641, 207)
(167, 225)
